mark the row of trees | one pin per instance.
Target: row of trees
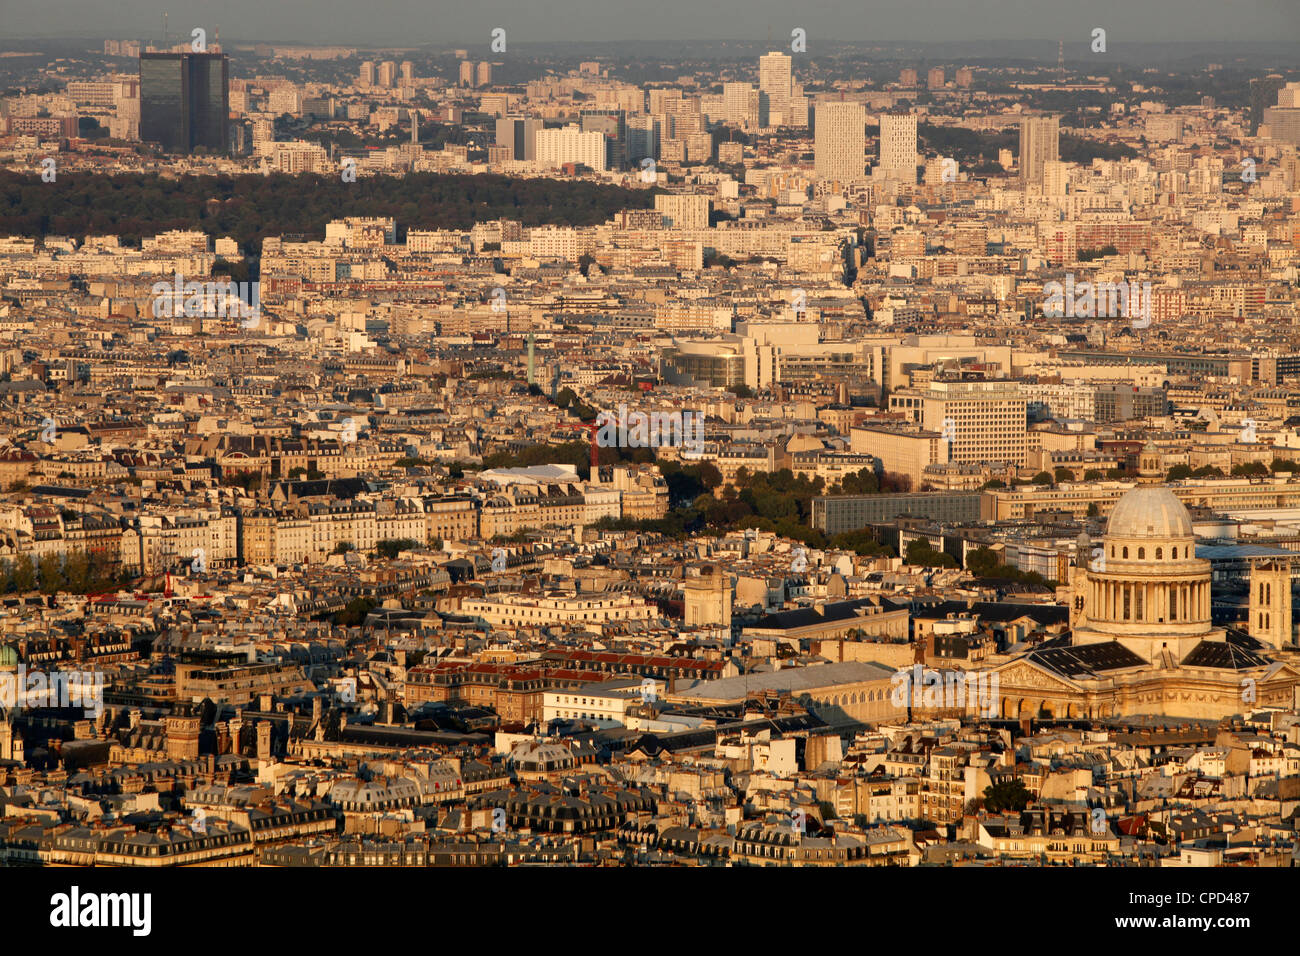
(1246, 468)
(922, 553)
(1176, 473)
(980, 149)
(251, 207)
(79, 572)
(778, 502)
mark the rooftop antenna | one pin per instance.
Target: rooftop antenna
(164, 44)
(1060, 60)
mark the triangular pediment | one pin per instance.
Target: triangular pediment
(1281, 670)
(1025, 673)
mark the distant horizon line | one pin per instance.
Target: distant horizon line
(681, 41)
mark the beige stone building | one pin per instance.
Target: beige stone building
(1143, 641)
(902, 449)
(985, 420)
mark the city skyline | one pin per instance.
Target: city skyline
(507, 449)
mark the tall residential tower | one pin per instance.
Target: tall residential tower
(1039, 144)
(840, 141)
(898, 146)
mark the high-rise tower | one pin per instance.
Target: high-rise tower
(898, 146)
(185, 101)
(1040, 142)
(775, 85)
(840, 141)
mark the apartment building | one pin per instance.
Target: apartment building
(985, 421)
(900, 449)
(523, 610)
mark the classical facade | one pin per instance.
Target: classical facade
(1142, 641)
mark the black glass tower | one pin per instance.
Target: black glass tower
(185, 101)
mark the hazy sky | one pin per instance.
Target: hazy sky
(468, 22)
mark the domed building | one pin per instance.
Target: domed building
(540, 759)
(1141, 640)
(1148, 590)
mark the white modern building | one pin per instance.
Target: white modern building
(898, 146)
(840, 141)
(569, 144)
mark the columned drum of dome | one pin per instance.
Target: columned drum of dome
(1152, 593)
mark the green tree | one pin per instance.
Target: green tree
(1042, 478)
(1006, 795)
(921, 553)
(51, 574)
(1179, 472)
(77, 572)
(982, 562)
(24, 574)
(862, 542)
(392, 547)
(355, 612)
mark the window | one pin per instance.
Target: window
(1142, 554)
(1126, 552)
(1160, 553)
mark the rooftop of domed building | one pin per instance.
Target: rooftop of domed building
(1149, 513)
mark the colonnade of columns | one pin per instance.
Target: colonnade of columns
(1149, 602)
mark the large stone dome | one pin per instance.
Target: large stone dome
(1149, 513)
